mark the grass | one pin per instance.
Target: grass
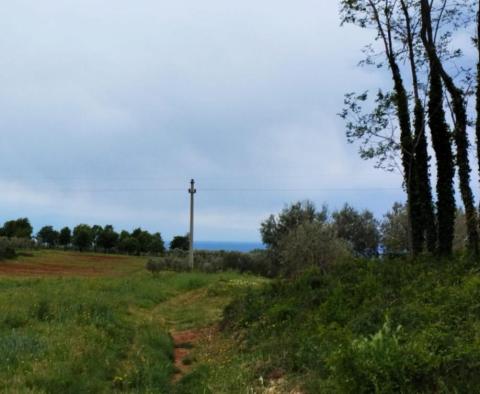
(91, 323)
(362, 327)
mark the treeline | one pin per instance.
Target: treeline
(426, 110)
(89, 238)
(301, 237)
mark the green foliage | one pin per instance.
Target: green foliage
(366, 326)
(105, 334)
(212, 261)
(20, 228)
(83, 237)
(65, 237)
(9, 246)
(156, 246)
(359, 229)
(311, 245)
(129, 245)
(394, 230)
(180, 242)
(276, 227)
(48, 236)
(107, 238)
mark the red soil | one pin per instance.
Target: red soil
(184, 342)
(23, 269)
(75, 265)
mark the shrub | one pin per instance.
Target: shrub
(334, 334)
(8, 246)
(212, 261)
(311, 245)
(154, 267)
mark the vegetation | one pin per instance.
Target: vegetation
(360, 327)
(352, 304)
(180, 242)
(418, 49)
(105, 326)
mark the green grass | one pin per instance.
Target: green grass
(87, 323)
(362, 327)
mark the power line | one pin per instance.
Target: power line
(224, 190)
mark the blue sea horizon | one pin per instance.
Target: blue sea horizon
(229, 246)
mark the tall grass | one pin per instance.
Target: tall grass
(87, 335)
(361, 327)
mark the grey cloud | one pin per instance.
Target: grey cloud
(146, 94)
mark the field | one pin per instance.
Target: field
(87, 323)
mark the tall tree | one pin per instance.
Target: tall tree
(438, 71)
(422, 169)
(65, 237)
(47, 235)
(359, 229)
(83, 237)
(380, 13)
(477, 127)
(20, 228)
(107, 238)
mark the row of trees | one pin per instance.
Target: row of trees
(84, 237)
(427, 109)
(301, 232)
(105, 239)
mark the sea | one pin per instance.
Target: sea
(229, 246)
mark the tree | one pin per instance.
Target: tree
(180, 242)
(48, 236)
(439, 75)
(275, 228)
(477, 126)
(144, 238)
(129, 245)
(83, 237)
(65, 237)
(360, 230)
(96, 231)
(461, 232)
(380, 15)
(418, 34)
(156, 245)
(425, 209)
(394, 231)
(20, 228)
(107, 238)
(311, 244)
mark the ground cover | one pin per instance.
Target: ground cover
(72, 322)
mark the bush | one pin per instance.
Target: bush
(9, 246)
(336, 337)
(212, 261)
(311, 245)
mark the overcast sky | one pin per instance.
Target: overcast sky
(108, 108)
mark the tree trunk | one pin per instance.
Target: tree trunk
(403, 113)
(460, 132)
(424, 189)
(477, 129)
(441, 144)
(423, 178)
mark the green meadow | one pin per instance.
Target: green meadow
(87, 323)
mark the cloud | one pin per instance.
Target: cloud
(139, 96)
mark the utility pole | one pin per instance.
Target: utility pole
(192, 192)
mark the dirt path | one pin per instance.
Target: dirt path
(185, 342)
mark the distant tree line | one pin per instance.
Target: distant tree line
(301, 236)
(84, 237)
(426, 111)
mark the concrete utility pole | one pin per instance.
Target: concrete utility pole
(192, 192)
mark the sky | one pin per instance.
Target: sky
(108, 109)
